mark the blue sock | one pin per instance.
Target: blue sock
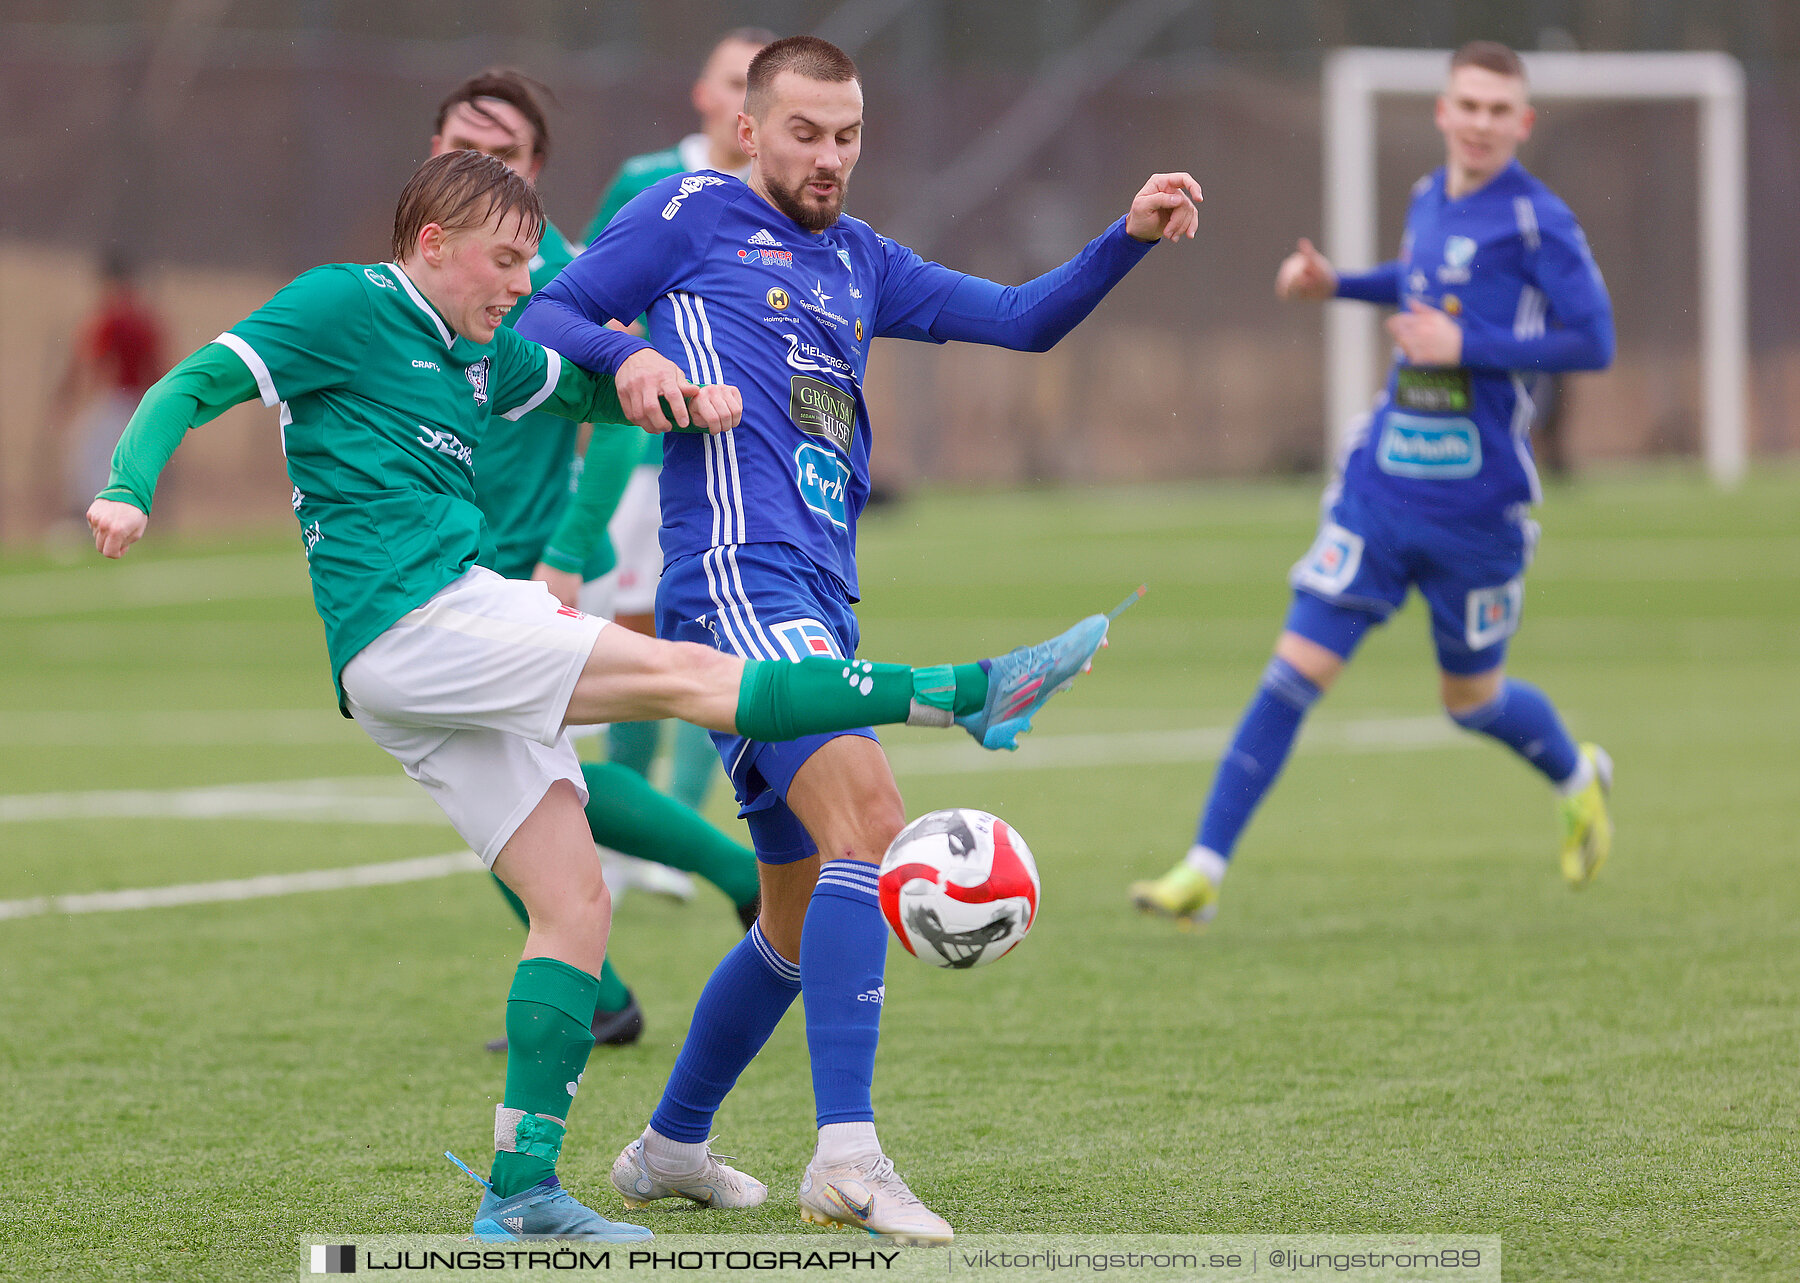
(843, 959)
(750, 990)
(1258, 750)
(1522, 717)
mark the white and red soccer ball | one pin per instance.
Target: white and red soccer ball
(959, 887)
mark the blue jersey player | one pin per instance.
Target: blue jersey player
(767, 285)
(1494, 282)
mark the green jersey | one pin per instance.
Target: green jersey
(382, 410)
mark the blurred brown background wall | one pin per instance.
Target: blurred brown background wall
(228, 144)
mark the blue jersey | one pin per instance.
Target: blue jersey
(736, 292)
(1509, 263)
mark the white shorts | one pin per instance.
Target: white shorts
(635, 531)
(468, 693)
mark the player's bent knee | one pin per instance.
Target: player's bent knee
(1463, 693)
(1319, 664)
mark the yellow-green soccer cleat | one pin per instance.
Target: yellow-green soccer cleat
(1587, 825)
(1183, 893)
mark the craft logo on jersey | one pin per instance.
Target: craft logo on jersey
(1493, 613)
(380, 279)
(777, 298)
(806, 639)
(477, 375)
(765, 251)
(1459, 252)
(816, 360)
(823, 478)
(689, 185)
(821, 410)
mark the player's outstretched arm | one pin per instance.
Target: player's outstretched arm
(1165, 208)
(195, 392)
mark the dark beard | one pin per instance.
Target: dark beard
(789, 201)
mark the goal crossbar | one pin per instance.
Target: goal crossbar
(1355, 77)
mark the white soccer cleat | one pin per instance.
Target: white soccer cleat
(714, 1185)
(868, 1194)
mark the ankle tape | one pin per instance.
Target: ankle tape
(517, 1132)
(934, 696)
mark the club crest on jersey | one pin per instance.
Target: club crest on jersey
(477, 375)
(1493, 613)
(689, 185)
(806, 639)
(1459, 252)
(1330, 565)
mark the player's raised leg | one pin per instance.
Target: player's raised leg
(1309, 655)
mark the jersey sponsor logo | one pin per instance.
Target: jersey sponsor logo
(477, 375)
(1433, 390)
(427, 365)
(819, 309)
(806, 639)
(689, 185)
(299, 498)
(446, 442)
(569, 612)
(756, 256)
(1459, 252)
(818, 292)
(1492, 614)
(859, 329)
(821, 410)
(311, 535)
(822, 478)
(1429, 449)
(1330, 565)
(777, 298)
(762, 237)
(379, 278)
(816, 360)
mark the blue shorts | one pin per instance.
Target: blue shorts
(761, 601)
(1366, 556)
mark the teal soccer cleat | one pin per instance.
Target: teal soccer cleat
(1022, 681)
(544, 1211)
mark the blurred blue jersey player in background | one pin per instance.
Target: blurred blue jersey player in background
(1494, 282)
(768, 285)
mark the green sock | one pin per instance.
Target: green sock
(547, 1045)
(633, 744)
(782, 700)
(518, 905)
(694, 765)
(625, 813)
(614, 996)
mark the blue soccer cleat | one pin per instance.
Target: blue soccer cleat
(546, 1210)
(1022, 681)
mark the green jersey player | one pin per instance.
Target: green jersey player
(388, 375)
(523, 488)
(628, 594)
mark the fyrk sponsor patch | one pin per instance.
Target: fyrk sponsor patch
(1493, 613)
(822, 410)
(823, 478)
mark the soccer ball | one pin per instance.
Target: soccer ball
(959, 887)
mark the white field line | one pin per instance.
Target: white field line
(1156, 748)
(273, 884)
(357, 800)
(84, 589)
(276, 726)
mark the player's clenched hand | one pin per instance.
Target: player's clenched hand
(1306, 274)
(1426, 335)
(564, 585)
(1165, 209)
(717, 407)
(116, 526)
(648, 382)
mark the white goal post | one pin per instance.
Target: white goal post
(1354, 78)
